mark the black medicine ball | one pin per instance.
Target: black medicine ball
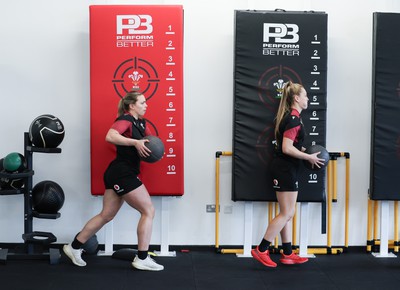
(91, 247)
(157, 149)
(47, 197)
(46, 131)
(324, 155)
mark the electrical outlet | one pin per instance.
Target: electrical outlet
(210, 208)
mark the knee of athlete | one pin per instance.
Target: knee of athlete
(107, 217)
(289, 215)
(150, 211)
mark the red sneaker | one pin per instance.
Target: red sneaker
(292, 259)
(263, 257)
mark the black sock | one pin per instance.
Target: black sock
(142, 255)
(76, 244)
(264, 245)
(287, 248)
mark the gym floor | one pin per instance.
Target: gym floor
(205, 269)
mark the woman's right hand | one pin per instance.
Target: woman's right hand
(315, 160)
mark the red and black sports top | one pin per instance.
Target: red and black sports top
(132, 128)
(290, 127)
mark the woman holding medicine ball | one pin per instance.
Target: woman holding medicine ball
(289, 152)
(122, 182)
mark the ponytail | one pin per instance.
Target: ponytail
(289, 91)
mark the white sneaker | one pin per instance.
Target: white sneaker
(74, 255)
(147, 264)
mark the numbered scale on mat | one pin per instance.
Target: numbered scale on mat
(168, 106)
(170, 96)
(314, 117)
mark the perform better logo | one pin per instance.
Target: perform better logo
(134, 31)
(281, 39)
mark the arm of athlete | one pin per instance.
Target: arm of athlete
(114, 137)
(289, 149)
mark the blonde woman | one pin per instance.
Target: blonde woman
(289, 151)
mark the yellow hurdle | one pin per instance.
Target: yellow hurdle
(372, 227)
(218, 155)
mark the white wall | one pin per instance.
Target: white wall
(44, 68)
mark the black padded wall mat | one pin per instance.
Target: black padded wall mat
(271, 48)
(385, 137)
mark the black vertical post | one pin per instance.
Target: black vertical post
(28, 217)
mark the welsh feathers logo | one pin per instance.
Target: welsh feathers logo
(136, 74)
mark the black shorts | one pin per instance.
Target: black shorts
(284, 175)
(121, 177)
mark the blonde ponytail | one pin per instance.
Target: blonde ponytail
(289, 91)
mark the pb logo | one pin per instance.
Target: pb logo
(134, 24)
(283, 33)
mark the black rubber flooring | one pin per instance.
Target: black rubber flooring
(206, 270)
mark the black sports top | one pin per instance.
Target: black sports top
(133, 128)
(290, 127)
